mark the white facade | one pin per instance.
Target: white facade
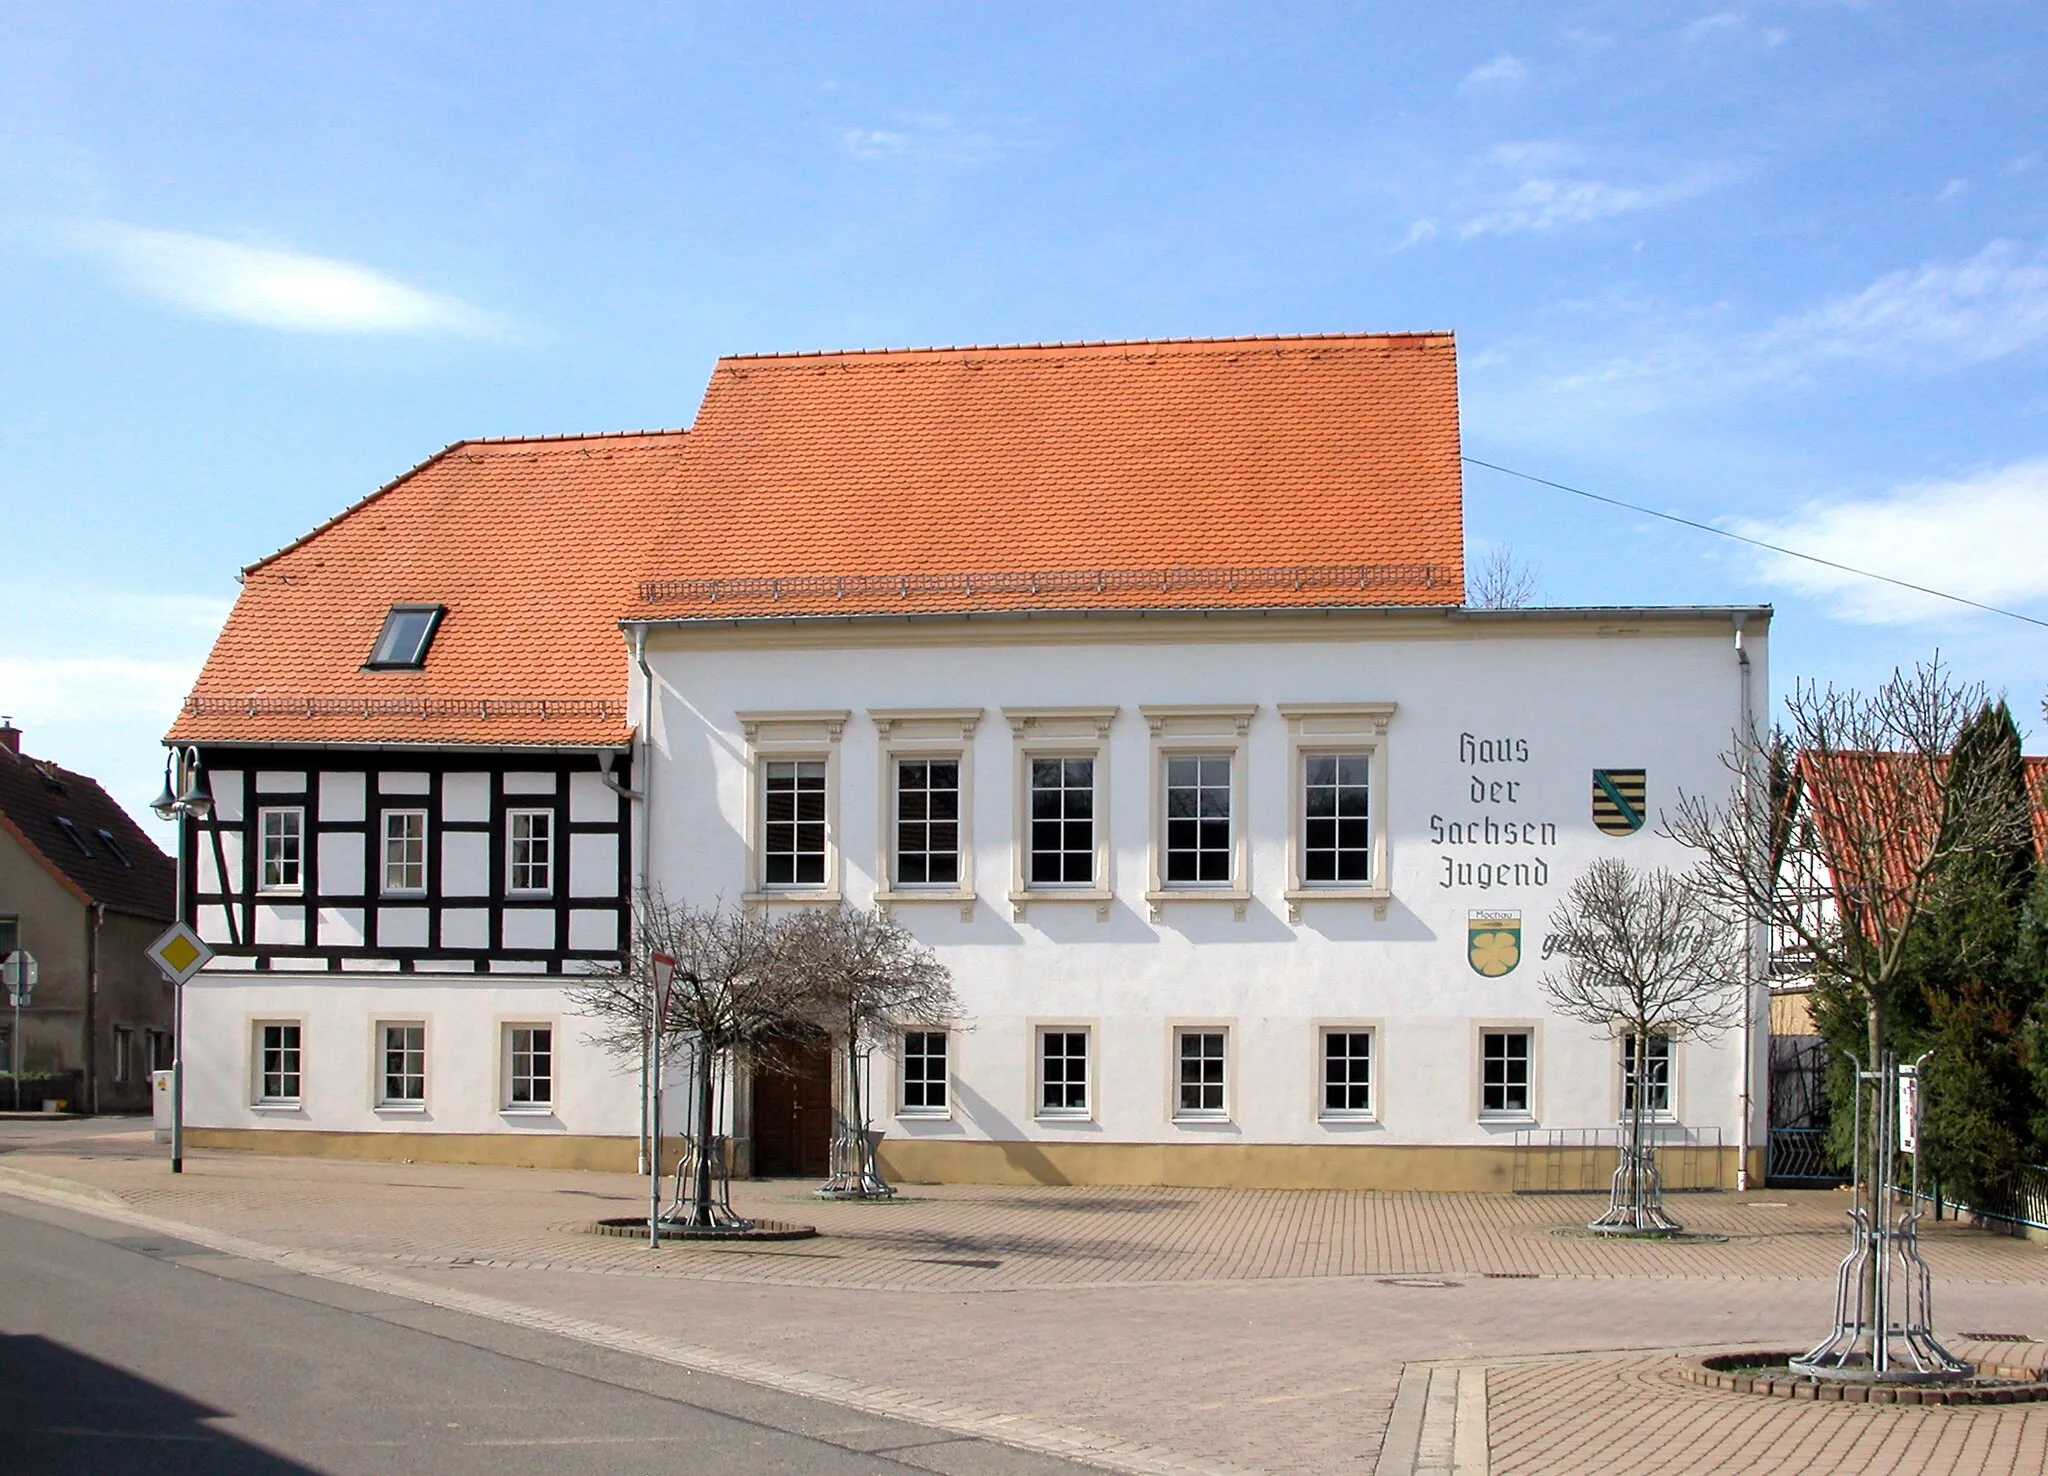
(1482, 735)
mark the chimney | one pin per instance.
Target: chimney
(10, 736)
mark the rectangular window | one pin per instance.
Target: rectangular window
(405, 1065)
(1504, 1072)
(1198, 820)
(1347, 1073)
(124, 1053)
(1652, 1076)
(405, 850)
(1199, 1073)
(278, 1068)
(532, 850)
(927, 822)
(284, 850)
(1062, 821)
(1063, 1073)
(1336, 846)
(924, 1071)
(530, 1071)
(793, 822)
(160, 1050)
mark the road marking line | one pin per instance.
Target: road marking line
(1109, 1453)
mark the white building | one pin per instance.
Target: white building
(1133, 678)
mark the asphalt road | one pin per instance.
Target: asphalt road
(135, 1353)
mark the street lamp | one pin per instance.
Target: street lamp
(184, 798)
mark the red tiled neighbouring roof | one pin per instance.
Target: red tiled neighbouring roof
(1207, 473)
(532, 545)
(36, 794)
(1273, 472)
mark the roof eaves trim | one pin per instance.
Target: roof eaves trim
(1211, 612)
(1092, 343)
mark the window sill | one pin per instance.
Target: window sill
(293, 1106)
(924, 1114)
(1201, 1119)
(525, 896)
(401, 1109)
(1349, 1119)
(1295, 896)
(800, 896)
(961, 897)
(413, 895)
(1238, 898)
(1100, 896)
(1057, 1118)
(1509, 1117)
(545, 1110)
(290, 894)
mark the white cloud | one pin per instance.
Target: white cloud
(1988, 307)
(1984, 537)
(931, 138)
(276, 289)
(1546, 204)
(1502, 70)
(1728, 25)
(1953, 190)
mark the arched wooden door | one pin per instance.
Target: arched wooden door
(793, 1112)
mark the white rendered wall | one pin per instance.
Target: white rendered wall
(1655, 696)
(339, 1014)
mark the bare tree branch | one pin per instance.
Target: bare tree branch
(1504, 581)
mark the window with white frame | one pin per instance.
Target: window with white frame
(529, 1067)
(1063, 1073)
(793, 822)
(405, 850)
(927, 822)
(531, 850)
(924, 1073)
(277, 1063)
(1336, 839)
(1646, 1067)
(403, 1045)
(283, 850)
(1347, 1073)
(1199, 1057)
(1198, 846)
(1504, 1072)
(1062, 823)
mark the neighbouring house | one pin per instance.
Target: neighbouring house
(1135, 678)
(84, 891)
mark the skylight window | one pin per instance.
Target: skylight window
(402, 643)
(107, 839)
(71, 831)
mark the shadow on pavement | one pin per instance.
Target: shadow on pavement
(63, 1411)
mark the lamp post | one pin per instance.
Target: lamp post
(183, 799)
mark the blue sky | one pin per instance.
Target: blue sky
(1779, 266)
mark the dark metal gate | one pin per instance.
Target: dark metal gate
(1796, 1152)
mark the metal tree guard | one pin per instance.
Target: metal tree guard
(1635, 1197)
(703, 1189)
(856, 1174)
(1884, 1324)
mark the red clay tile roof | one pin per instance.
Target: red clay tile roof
(131, 875)
(533, 547)
(1319, 471)
(1232, 472)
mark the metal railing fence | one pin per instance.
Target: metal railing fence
(1583, 1160)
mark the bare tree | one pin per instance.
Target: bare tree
(864, 977)
(1644, 959)
(734, 995)
(1504, 581)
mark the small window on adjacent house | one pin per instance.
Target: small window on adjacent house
(405, 850)
(71, 833)
(1652, 1075)
(530, 1067)
(532, 853)
(1200, 1058)
(277, 1073)
(1503, 1073)
(408, 631)
(924, 1072)
(114, 848)
(124, 1054)
(283, 849)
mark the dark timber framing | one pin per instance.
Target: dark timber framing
(238, 905)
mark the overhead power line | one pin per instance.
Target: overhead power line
(1790, 553)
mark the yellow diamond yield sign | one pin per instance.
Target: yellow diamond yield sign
(179, 953)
